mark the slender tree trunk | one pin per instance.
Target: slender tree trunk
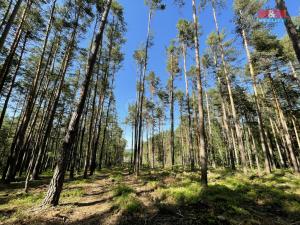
(233, 109)
(172, 149)
(17, 144)
(62, 73)
(89, 144)
(91, 135)
(187, 95)
(285, 129)
(141, 100)
(56, 184)
(152, 144)
(292, 117)
(255, 151)
(202, 147)
(282, 164)
(13, 82)
(287, 158)
(105, 131)
(147, 145)
(258, 110)
(6, 14)
(9, 23)
(96, 142)
(5, 69)
(248, 147)
(194, 155)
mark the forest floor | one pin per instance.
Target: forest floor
(156, 197)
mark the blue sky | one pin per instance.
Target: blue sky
(164, 29)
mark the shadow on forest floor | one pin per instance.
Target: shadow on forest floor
(167, 198)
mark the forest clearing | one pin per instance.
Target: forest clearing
(150, 112)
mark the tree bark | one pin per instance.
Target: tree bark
(18, 142)
(5, 69)
(258, 110)
(285, 129)
(233, 109)
(172, 149)
(202, 147)
(63, 70)
(9, 23)
(3, 22)
(187, 95)
(56, 184)
(3, 112)
(141, 99)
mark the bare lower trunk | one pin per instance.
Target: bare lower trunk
(56, 184)
(203, 153)
(233, 109)
(285, 128)
(187, 95)
(258, 110)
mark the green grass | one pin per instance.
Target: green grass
(14, 206)
(125, 199)
(23, 199)
(129, 203)
(239, 198)
(187, 194)
(72, 193)
(230, 196)
(122, 189)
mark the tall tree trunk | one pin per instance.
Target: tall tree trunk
(141, 100)
(258, 109)
(105, 130)
(5, 69)
(292, 117)
(228, 84)
(229, 135)
(101, 102)
(172, 149)
(62, 74)
(187, 95)
(285, 128)
(202, 147)
(6, 14)
(18, 142)
(56, 184)
(91, 136)
(147, 144)
(96, 140)
(89, 144)
(3, 112)
(9, 23)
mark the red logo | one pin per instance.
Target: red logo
(272, 14)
